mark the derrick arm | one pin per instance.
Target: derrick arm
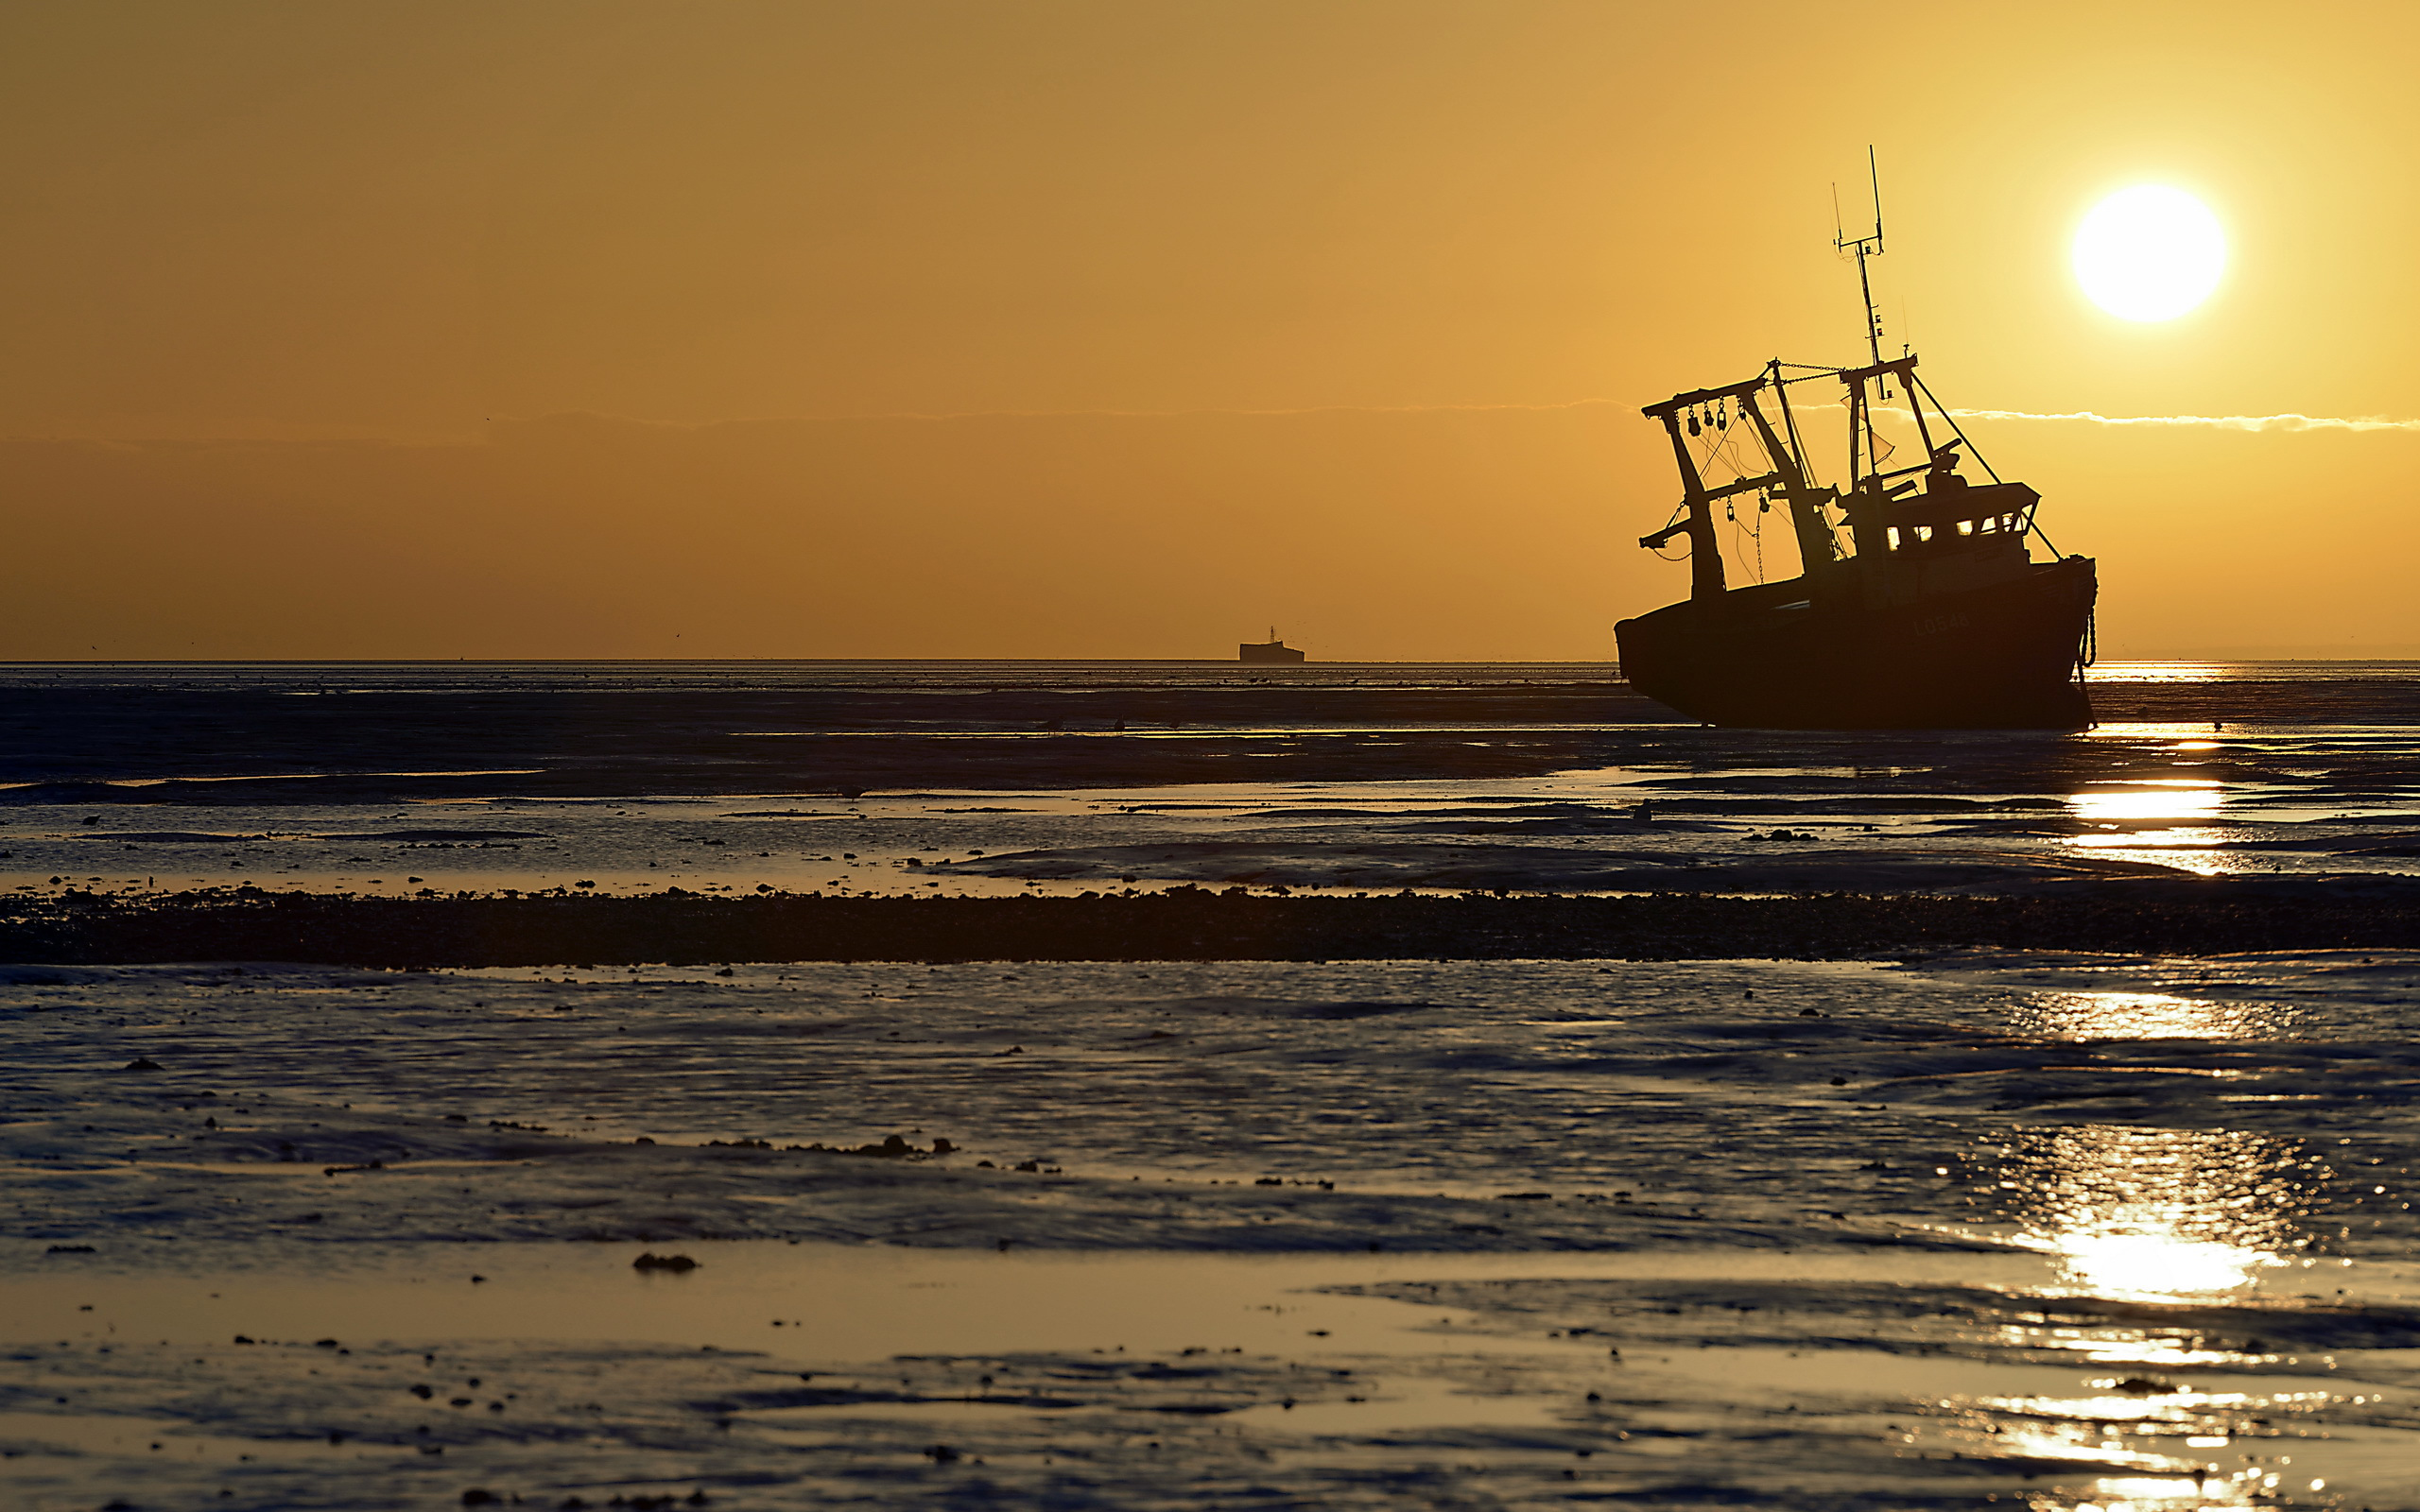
(1706, 555)
(1711, 496)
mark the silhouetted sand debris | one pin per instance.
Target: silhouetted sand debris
(2184, 917)
(143, 1065)
(341, 1170)
(678, 1264)
(2145, 1386)
(70, 1249)
(893, 1147)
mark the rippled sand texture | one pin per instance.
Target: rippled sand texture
(2062, 1231)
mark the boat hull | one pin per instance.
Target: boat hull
(1775, 657)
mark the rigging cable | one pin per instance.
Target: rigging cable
(1724, 449)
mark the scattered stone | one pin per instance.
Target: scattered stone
(678, 1264)
(893, 1147)
(144, 1063)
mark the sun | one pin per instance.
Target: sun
(2150, 254)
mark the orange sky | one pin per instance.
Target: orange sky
(586, 329)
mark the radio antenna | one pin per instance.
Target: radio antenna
(1865, 246)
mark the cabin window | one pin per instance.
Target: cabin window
(1985, 527)
(1924, 532)
(1965, 528)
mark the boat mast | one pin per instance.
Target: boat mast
(1860, 417)
(1866, 246)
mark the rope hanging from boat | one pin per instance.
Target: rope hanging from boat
(1723, 451)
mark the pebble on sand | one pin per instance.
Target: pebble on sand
(676, 1263)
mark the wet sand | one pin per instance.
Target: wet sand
(1439, 781)
(1181, 1087)
(2061, 1231)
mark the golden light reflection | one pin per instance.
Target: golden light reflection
(2179, 838)
(2162, 1493)
(2162, 1214)
(2147, 1016)
(2137, 803)
(2139, 1435)
(2157, 671)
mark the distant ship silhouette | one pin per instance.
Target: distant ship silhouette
(1272, 651)
(1932, 614)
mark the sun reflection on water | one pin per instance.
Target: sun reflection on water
(2136, 803)
(2158, 671)
(2155, 1215)
(2160, 1214)
(2162, 1493)
(2149, 1016)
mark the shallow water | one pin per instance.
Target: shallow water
(974, 779)
(2064, 1230)
(1980, 1230)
